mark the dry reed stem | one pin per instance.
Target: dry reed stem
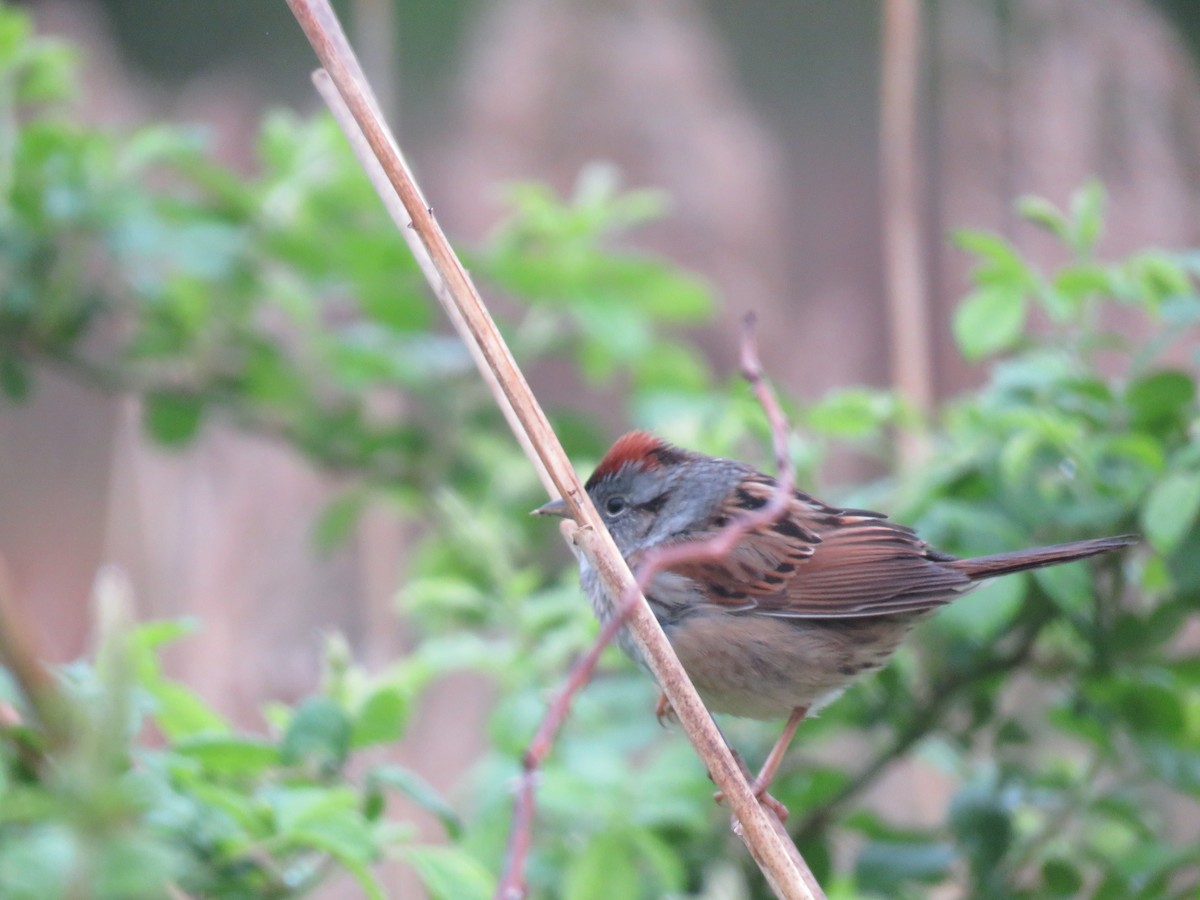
(907, 288)
(758, 827)
(656, 560)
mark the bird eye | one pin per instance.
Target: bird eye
(614, 505)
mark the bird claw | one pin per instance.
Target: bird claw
(665, 712)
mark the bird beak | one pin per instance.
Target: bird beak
(553, 508)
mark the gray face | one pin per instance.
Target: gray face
(646, 507)
(629, 501)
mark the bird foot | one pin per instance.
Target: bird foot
(665, 712)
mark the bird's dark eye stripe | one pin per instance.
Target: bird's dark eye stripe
(654, 504)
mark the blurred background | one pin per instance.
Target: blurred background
(762, 121)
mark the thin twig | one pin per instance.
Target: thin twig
(759, 828)
(656, 560)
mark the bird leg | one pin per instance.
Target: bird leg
(766, 774)
(664, 712)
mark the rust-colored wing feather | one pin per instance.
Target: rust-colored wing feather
(819, 561)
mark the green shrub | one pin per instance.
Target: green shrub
(1062, 704)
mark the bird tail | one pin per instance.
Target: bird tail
(981, 567)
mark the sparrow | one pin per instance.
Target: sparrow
(801, 606)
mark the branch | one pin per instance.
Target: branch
(655, 561)
(761, 830)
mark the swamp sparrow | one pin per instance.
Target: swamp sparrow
(801, 606)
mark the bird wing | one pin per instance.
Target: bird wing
(819, 561)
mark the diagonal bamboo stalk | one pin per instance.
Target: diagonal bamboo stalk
(654, 561)
(759, 828)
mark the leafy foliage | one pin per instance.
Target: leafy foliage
(1082, 429)
(209, 811)
(1061, 707)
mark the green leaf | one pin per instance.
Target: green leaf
(1061, 878)
(982, 826)
(1160, 399)
(1177, 766)
(1069, 586)
(672, 367)
(1160, 279)
(339, 519)
(1170, 510)
(448, 873)
(663, 859)
(1087, 215)
(326, 819)
(338, 831)
(1045, 214)
(296, 807)
(318, 735)
(1082, 280)
(984, 611)
(990, 320)
(419, 791)
(1180, 312)
(148, 636)
(9, 693)
(448, 595)
(604, 869)
(14, 378)
(132, 866)
(172, 417)
(661, 292)
(371, 887)
(882, 865)
(38, 862)
(1137, 458)
(852, 413)
(230, 755)
(1151, 709)
(49, 76)
(1022, 455)
(1000, 263)
(16, 32)
(381, 717)
(180, 713)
